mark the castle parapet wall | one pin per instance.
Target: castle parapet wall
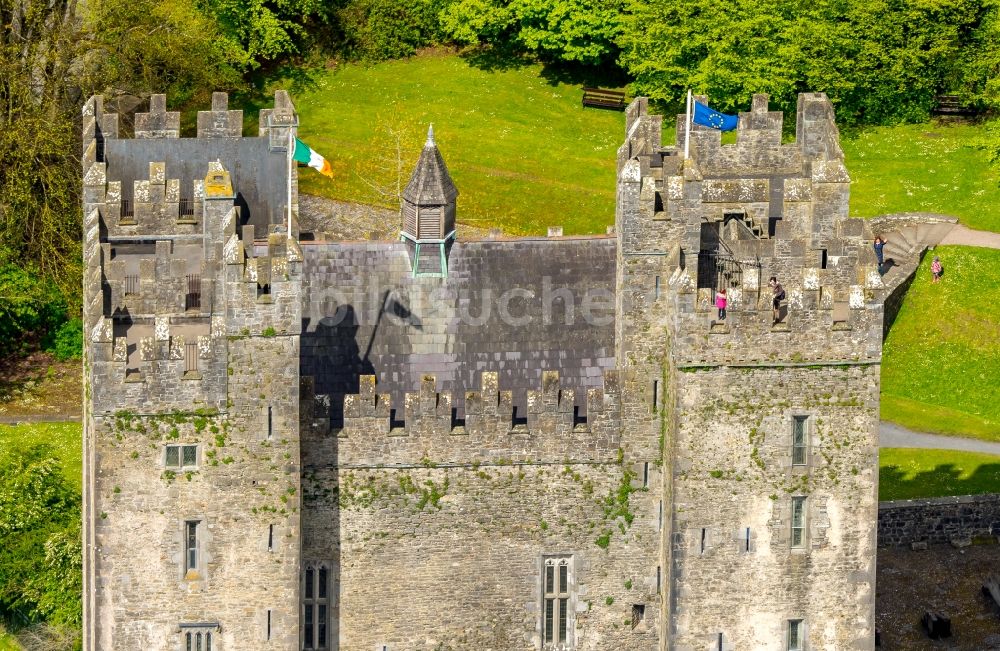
(553, 433)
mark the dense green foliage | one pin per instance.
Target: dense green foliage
(30, 306)
(909, 473)
(880, 61)
(585, 31)
(40, 560)
(940, 360)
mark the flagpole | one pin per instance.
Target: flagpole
(687, 128)
(291, 155)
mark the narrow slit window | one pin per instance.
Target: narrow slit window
(719, 646)
(704, 533)
(645, 474)
(656, 394)
(270, 423)
(191, 545)
(659, 521)
(795, 635)
(799, 440)
(270, 537)
(798, 521)
(268, 623)
(746, 540)
(657, 579)
(656, 289)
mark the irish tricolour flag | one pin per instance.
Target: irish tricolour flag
(304, 154)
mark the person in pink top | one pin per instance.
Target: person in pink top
(720, 302)
(936, 269)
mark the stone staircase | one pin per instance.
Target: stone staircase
(907, 236)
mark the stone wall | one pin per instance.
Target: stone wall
(938, 520)
(733, 215)
(449, 558)
(191, 339)
(733, 472)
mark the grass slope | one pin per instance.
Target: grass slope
(65, 439)
(7, 642)
(922, 167)
(907, 473)
(941, 363)
(522, 151)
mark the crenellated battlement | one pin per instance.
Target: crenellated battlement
(552, 432)
(153, 184)
(732, 216)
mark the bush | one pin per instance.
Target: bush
(67, 341)
(40, 559)
(30, 306)
(377, 30)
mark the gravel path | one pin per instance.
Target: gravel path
(892, 435)
(968, 237)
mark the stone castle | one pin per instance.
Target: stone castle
(437, 444)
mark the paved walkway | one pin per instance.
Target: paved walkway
(968, 237)
(892, 435)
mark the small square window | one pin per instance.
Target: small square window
(181, 457)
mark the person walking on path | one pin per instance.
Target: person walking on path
(779, 295)
(878, 246)
(936, 269)
(720, 302)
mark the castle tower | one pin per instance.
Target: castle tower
(428, 211)
(191, 479)
(769, 429)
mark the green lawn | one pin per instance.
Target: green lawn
(522, 151)
(64, 438)
(906, 473)
(941, 363)
(7, 642)
(922, 167)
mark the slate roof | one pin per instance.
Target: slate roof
(430, 184)
(363, 313)
(259, 176)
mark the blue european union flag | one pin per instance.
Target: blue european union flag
(711, 118)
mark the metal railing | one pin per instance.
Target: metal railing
(192, 298)
(128, 210)
(132, 285)
(185, 208)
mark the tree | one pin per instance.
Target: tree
(40, 560)
(263, 30)
(584, 31)
(880, 61)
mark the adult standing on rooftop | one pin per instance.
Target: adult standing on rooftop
(779, 295)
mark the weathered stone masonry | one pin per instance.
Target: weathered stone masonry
(437, 431)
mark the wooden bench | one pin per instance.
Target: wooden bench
(952, 105)
(600, 98)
